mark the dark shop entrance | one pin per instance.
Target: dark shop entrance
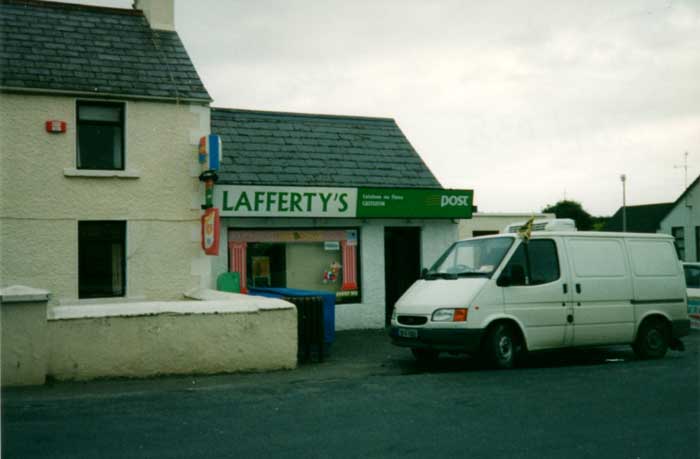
(401, 263)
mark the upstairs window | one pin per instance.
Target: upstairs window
(100, 135)
(101, 259)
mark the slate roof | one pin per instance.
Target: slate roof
(86, 49)
(640, 219)
(272, 148)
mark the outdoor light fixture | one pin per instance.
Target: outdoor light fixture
(623, 178)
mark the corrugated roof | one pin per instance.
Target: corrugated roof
(273, 148)
(86, 49)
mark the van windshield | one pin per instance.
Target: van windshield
(474, 257)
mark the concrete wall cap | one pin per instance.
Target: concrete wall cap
(23, 294)
(151, 308)
(261, 302)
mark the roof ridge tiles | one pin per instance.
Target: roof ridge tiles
(273, 113)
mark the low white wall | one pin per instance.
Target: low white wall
(24, 341)
(186, 337)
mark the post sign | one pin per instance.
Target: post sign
(414, 203)
(328, 202)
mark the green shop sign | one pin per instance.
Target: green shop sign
(414, 203)
(329, 202)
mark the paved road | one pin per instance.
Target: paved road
(370, 399)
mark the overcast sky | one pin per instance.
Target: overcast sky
(524, 102)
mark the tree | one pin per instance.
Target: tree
(572, 210)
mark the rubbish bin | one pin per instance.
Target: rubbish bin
(315, 317)
(309, 325)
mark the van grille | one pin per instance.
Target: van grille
(412, 320)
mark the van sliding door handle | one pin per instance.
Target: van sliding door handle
(578, 288)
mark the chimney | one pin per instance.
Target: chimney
(159, 13)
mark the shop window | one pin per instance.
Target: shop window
(267, 265)
(101, 259)
(320, 260)
(678, 233)
(533, 263)
(100, 128)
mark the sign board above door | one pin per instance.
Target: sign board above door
(331, 202)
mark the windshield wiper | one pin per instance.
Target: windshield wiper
(435, 275)
(474, 274)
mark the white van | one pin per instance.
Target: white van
(499, 296)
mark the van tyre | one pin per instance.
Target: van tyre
(652, 340)
(425, 355)
(502, 346)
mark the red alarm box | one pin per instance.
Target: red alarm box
(56, 126)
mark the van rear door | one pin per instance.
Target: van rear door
(602, 290)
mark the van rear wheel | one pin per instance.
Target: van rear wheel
(652, 340)
(501, 346)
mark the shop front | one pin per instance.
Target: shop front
(364, 245)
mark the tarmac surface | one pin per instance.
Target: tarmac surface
(371, 399)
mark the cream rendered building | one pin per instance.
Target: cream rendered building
(115, 176)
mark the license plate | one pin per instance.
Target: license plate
(408, 333)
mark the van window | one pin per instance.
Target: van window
(533, 263)
(692, 276)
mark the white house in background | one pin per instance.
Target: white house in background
(483, 224)
(683, 223)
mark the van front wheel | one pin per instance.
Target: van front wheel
(652, 340)
(501, 346)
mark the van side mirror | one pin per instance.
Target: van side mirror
(504, 280)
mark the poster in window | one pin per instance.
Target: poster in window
(261, 272)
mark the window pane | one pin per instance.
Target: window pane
(533, 263)
(101, 255)
(100, 147)
(473, 256)
(266, 265)
(99, 113)
(516, 268)
(692, 277)
(544, 263)
(678, 233)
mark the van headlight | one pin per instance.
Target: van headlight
(394, 315)
(450, 315)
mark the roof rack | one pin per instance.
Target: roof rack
(558, 224)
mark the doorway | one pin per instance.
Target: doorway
(402, 264)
